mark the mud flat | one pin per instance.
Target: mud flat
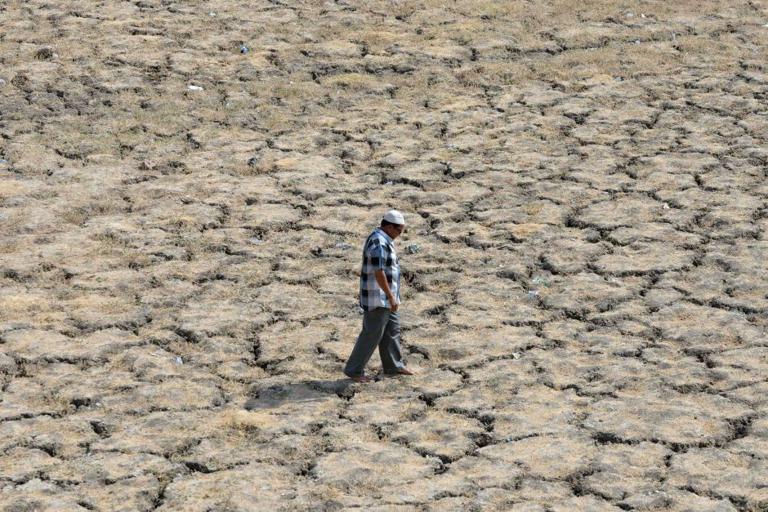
(184, 187)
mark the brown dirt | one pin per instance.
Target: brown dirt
(180, 222)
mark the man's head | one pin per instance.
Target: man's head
(393, 224)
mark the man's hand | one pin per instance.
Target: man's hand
(381, 279)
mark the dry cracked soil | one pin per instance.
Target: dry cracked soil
(184, 189)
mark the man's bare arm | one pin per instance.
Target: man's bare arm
(381, 278)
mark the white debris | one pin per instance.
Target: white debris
(413, 249)
(665, 206)
(179, 360)
(256, 241)
(194, 88)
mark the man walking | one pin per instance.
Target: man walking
(380, 300)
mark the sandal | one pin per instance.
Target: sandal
(400, 371)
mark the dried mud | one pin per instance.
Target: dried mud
(184, 187)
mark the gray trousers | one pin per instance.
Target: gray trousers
(381, 328)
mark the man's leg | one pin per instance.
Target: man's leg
(389, 346)
(374, 324)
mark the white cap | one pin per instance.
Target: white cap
(395, 217)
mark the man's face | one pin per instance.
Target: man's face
(394, 230)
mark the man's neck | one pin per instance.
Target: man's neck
(389, 238)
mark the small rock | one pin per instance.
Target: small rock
(2, 82)
(412, 249)
(45, 53)
(665, 206)
(343, 245)
(533, 293)
(194, 88)
(21, 81)
(253, 161)
(7, 364)
(256, 241)
(147, 165)
(179, 360)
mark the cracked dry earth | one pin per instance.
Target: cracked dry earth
(585, 296)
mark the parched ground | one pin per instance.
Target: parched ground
(184, 189)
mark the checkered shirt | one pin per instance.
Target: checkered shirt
(378, 254)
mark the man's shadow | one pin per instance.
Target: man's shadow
(307, 391)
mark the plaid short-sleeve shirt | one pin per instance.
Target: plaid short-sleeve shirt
(378, 254)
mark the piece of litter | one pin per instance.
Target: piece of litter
(665, 206)
(515, 355)
(388, 183)
(533, 293)
(179, 360)
(194, 88)
(2, 82)
(540, 280)
(243, 48)
(256, 241)
(3, 161)
(343, 245)
(637, 41)
(211, 14)
(642, 15)
(413, 249)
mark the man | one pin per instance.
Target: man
(380, 300)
